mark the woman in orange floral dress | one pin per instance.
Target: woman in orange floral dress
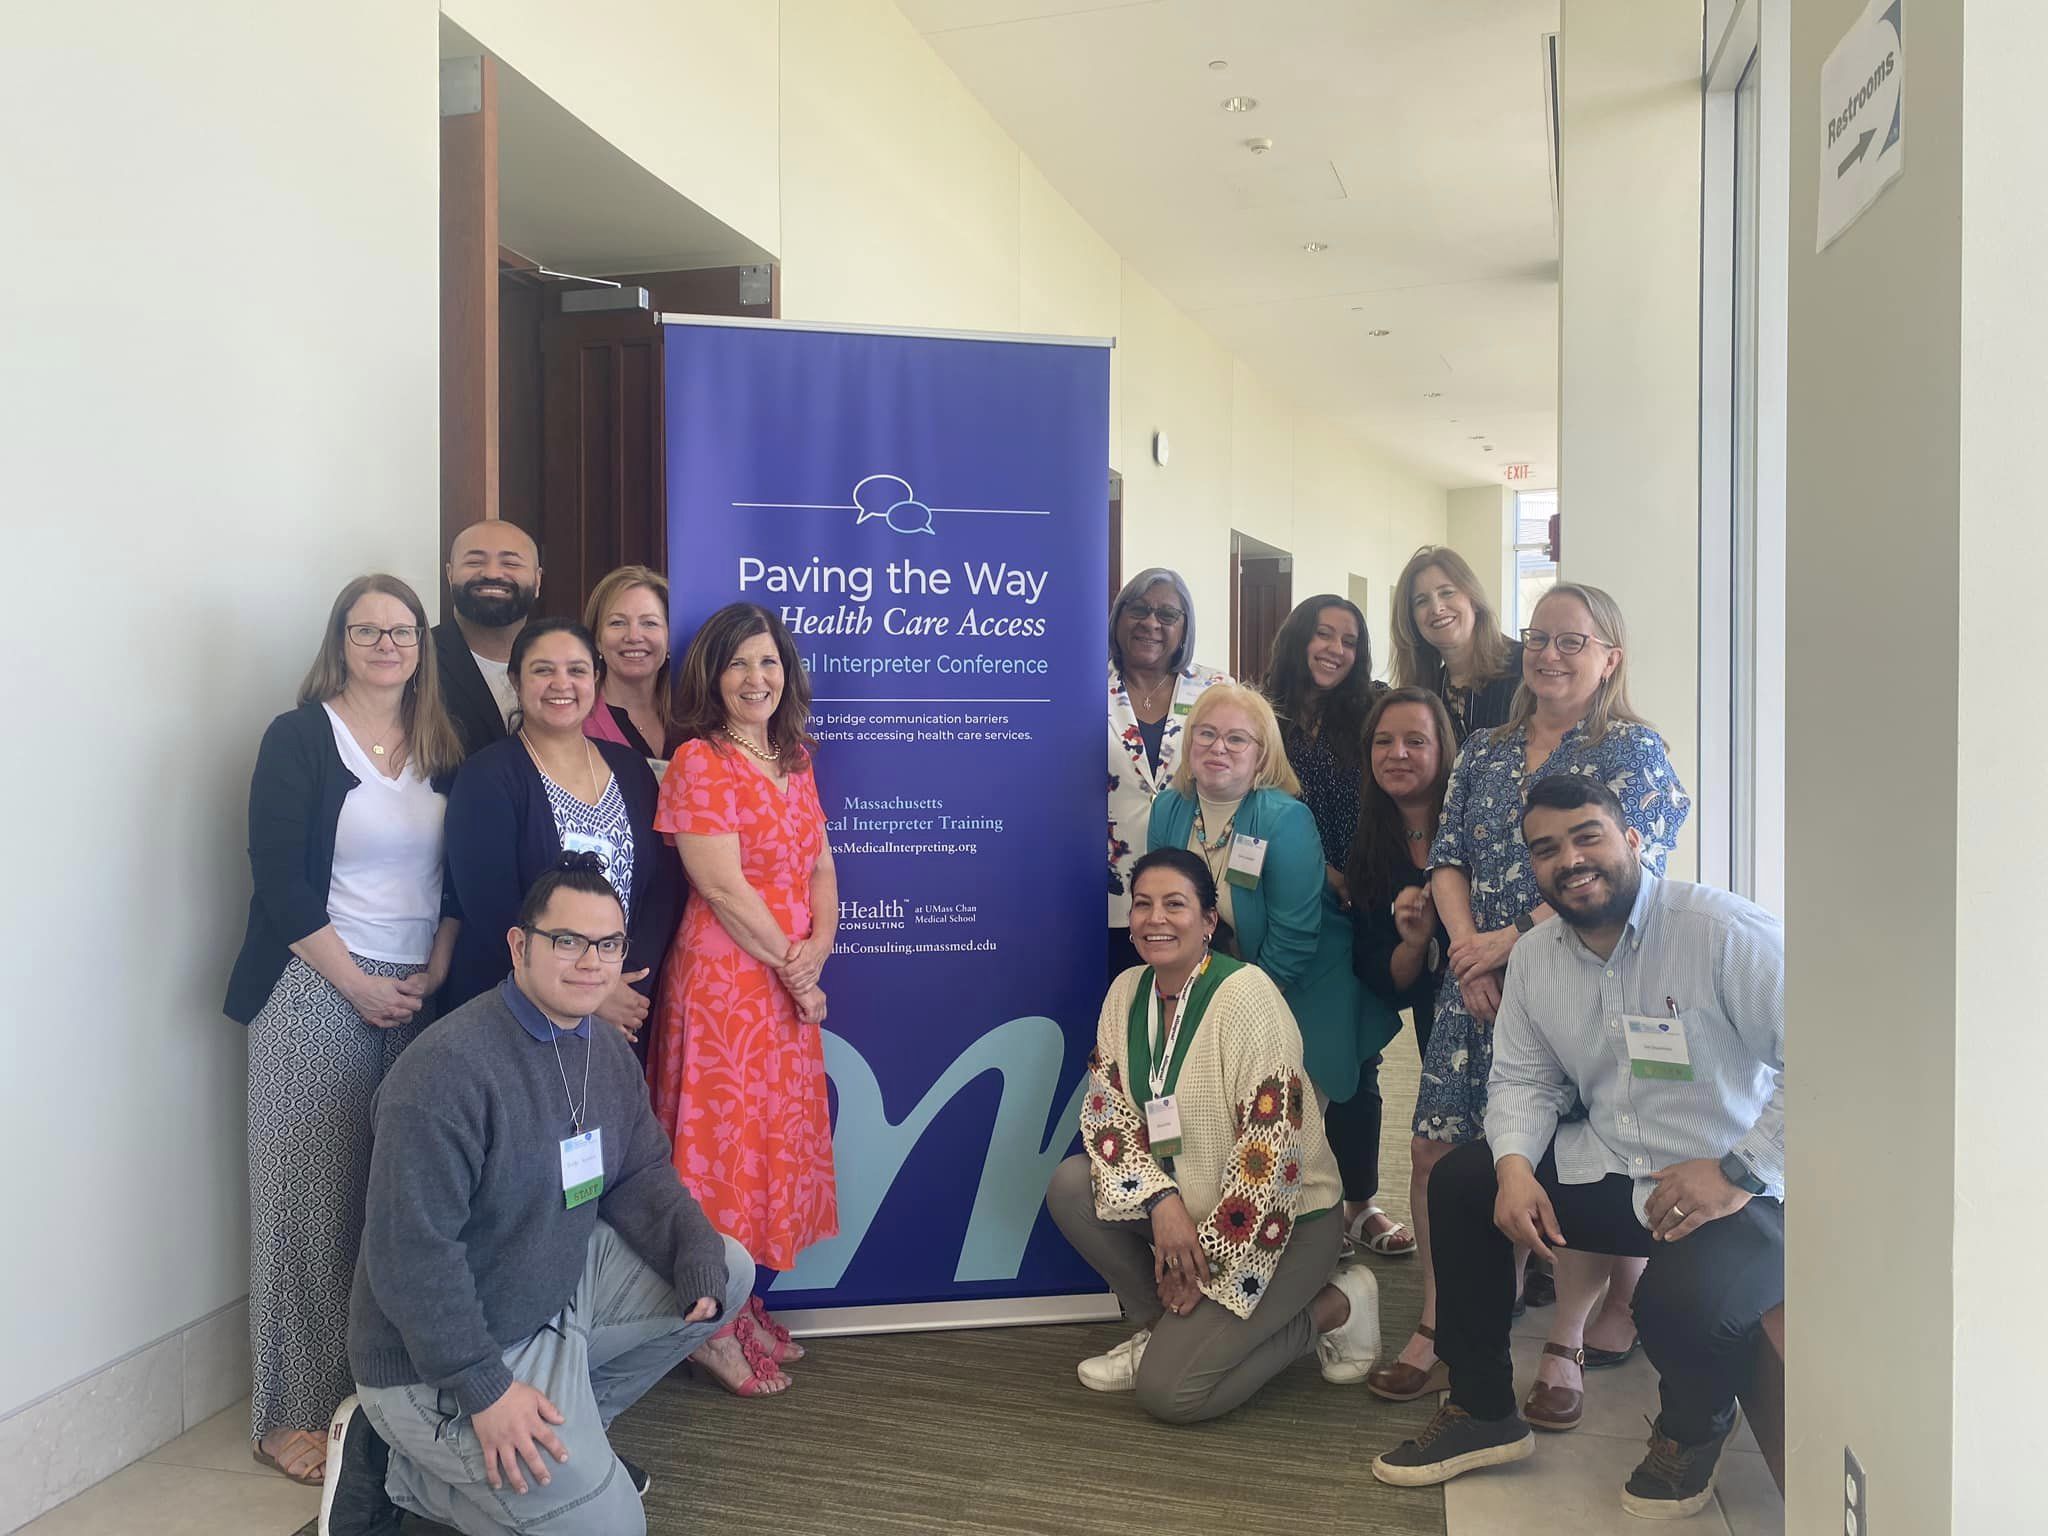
(737, 1065)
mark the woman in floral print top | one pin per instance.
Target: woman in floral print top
(1153, 684)
(1571, 715)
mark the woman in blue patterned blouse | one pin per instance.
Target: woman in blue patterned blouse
(1571, 715)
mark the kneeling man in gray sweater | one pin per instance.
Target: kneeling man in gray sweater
(531, 1265)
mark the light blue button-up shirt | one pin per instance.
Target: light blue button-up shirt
(1720, 960)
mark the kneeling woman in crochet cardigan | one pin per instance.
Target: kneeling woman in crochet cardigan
(1207, 1195)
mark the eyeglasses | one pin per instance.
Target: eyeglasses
(1540, 640)
(1234, 742)
(1165, 613)
(571, 945)
(404, 636)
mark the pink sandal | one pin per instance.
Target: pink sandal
(781, 1346)
(761, 1367)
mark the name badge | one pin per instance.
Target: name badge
(1247, 860)
(583, 1167)
(1185, 692)
(584, 842)
(1656, 1047)
(1162, 1125)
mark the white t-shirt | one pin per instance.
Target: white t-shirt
(384, 897)
(498, 678)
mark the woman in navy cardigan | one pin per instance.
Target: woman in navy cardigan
(520, 803)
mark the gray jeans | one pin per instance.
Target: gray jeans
(1207, 1363)
(621, 1332)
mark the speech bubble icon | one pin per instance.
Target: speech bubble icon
(881, 501)
(911, 517)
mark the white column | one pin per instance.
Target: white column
(1628, 341)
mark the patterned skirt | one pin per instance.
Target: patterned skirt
(1450, 1104)
(313, 1065)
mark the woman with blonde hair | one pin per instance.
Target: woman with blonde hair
(345, 947)
(628, 617)
(1234, 803)
(1447, 640)
(1571, 715)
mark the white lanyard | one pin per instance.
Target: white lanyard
(575, 1110)
(1164, 1054)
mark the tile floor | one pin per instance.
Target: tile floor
(1573, 1482)
(205, 1484)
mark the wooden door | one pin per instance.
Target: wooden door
(604, 494)
(1265, 594)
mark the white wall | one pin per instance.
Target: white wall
(1915, 394)
(1628, 341)
(221, 404)
(1481, 527)
(2000, 1246)
(245, 416)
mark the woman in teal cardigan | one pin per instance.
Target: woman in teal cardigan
(1233, 804)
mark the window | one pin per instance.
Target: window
(1535, 571)
(1740, 796)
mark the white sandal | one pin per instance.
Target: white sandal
(1397, 1242)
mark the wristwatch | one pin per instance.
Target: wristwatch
(1524, 922)
(1738, 1173)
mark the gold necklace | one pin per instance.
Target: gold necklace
(1150, 697)
(377, 746)
(589, 766)
(772, 755)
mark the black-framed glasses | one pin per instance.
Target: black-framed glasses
(1165, 613)
(1569, 644)
(571, 945)
(404, 636)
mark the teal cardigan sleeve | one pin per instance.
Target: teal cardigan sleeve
(1172, 820)
(1290, 887)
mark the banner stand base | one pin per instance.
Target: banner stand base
(930, 1316)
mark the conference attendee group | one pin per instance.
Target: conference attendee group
(538, 955)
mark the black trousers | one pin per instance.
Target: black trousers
(1698, 1308)
(1354, 1131)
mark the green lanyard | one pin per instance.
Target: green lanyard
(1138, 1036)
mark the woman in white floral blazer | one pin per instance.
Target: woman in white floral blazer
(1152, 686)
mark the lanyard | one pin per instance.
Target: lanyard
(575, 1110)
(1162, 1058)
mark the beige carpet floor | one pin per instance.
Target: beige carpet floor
(988, 1432)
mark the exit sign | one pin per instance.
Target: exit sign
(1516, 471)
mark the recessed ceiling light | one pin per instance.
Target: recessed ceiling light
(1487, 449)
(1312, 246)
(1381, 331)
(1476, 437)
(1219, 63)
(1434, 394)
(1240, 103)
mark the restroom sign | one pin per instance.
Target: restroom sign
(1862, 117)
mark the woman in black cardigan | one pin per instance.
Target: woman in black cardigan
(346, 944)
(520, 802)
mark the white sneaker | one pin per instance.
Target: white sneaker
(1116, 1371)
(1348, 1351)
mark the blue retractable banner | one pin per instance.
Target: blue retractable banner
(929, 515)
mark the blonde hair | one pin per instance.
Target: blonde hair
(1610, 704)
(614, 586)
(1417, 663)
(429, 735)
(1275, 772)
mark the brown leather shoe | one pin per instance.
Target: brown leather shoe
(1556, 1408)
(1399, 1382)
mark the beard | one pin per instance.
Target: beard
(493, 610)
(1623, 882)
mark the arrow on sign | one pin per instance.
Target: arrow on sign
(1862, 146)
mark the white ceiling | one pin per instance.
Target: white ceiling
(570, 200)
(1407, 134)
